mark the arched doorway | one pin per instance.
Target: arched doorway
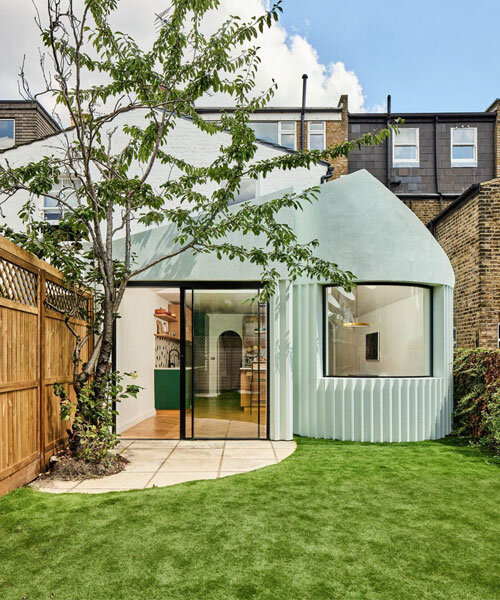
(230, 359)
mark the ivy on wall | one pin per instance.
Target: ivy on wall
(477, 397)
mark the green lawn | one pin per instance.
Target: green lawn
(335, 520)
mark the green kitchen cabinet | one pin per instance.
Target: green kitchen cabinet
(167, 389)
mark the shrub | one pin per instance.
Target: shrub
(476, 414)
(91, 437)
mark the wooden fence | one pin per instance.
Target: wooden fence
(35, 352)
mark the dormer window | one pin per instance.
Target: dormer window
(7, 133)
(405, 147)
(464, 147)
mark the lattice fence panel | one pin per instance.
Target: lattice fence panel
(18, 284)
(64, 300)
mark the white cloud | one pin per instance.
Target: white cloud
(284, 57)
(378, 108)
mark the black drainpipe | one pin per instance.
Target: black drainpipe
(388, 146)
(436, 170)
(303, 111)
(329, 173)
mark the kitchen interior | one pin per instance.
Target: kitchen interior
(226, 364)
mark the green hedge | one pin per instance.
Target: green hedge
(476, 414)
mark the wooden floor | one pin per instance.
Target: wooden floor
(165, 425)
(222, 423)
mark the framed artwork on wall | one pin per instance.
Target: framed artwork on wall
(373, 346)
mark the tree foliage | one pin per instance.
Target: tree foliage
(102, 78)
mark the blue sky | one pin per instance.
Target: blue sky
(442, 55)
(439, 55)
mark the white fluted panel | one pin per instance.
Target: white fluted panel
(281, 366)
(379, 410)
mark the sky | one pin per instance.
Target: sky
(429, 55)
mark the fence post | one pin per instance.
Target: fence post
(41, 369)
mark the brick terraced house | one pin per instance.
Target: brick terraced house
(444, 166)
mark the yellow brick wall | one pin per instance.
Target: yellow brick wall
(458, 235)
(425, 208)
(470, 236)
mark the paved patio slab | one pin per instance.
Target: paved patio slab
(160, 463)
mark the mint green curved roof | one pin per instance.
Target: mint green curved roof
(360, 225)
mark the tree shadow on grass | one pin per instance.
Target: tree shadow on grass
(453, 442)
(470, 450)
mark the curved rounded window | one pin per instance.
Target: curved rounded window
(378, 331)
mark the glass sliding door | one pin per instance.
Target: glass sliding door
(228, 365)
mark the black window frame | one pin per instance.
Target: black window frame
(325, 286)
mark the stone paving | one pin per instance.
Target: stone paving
(160, 463)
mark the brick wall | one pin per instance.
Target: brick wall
(470, 236)
(458, 234)
(496, 107)
(489, 247)
(31, 123)
(426, 209)
(336, 133)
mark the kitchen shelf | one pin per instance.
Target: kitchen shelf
(167, 336)
(166, 318)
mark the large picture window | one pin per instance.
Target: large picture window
(378, 330)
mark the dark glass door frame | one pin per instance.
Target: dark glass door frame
(192, 286)
(182, 371)
(229, 286)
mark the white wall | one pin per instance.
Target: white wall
(135, 351)
(185, 141)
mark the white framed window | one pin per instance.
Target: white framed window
(406, 147)
(463, 146)
(287, 134)
(52, 210)
(276, 132)
(7, 133)
(316, 135)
